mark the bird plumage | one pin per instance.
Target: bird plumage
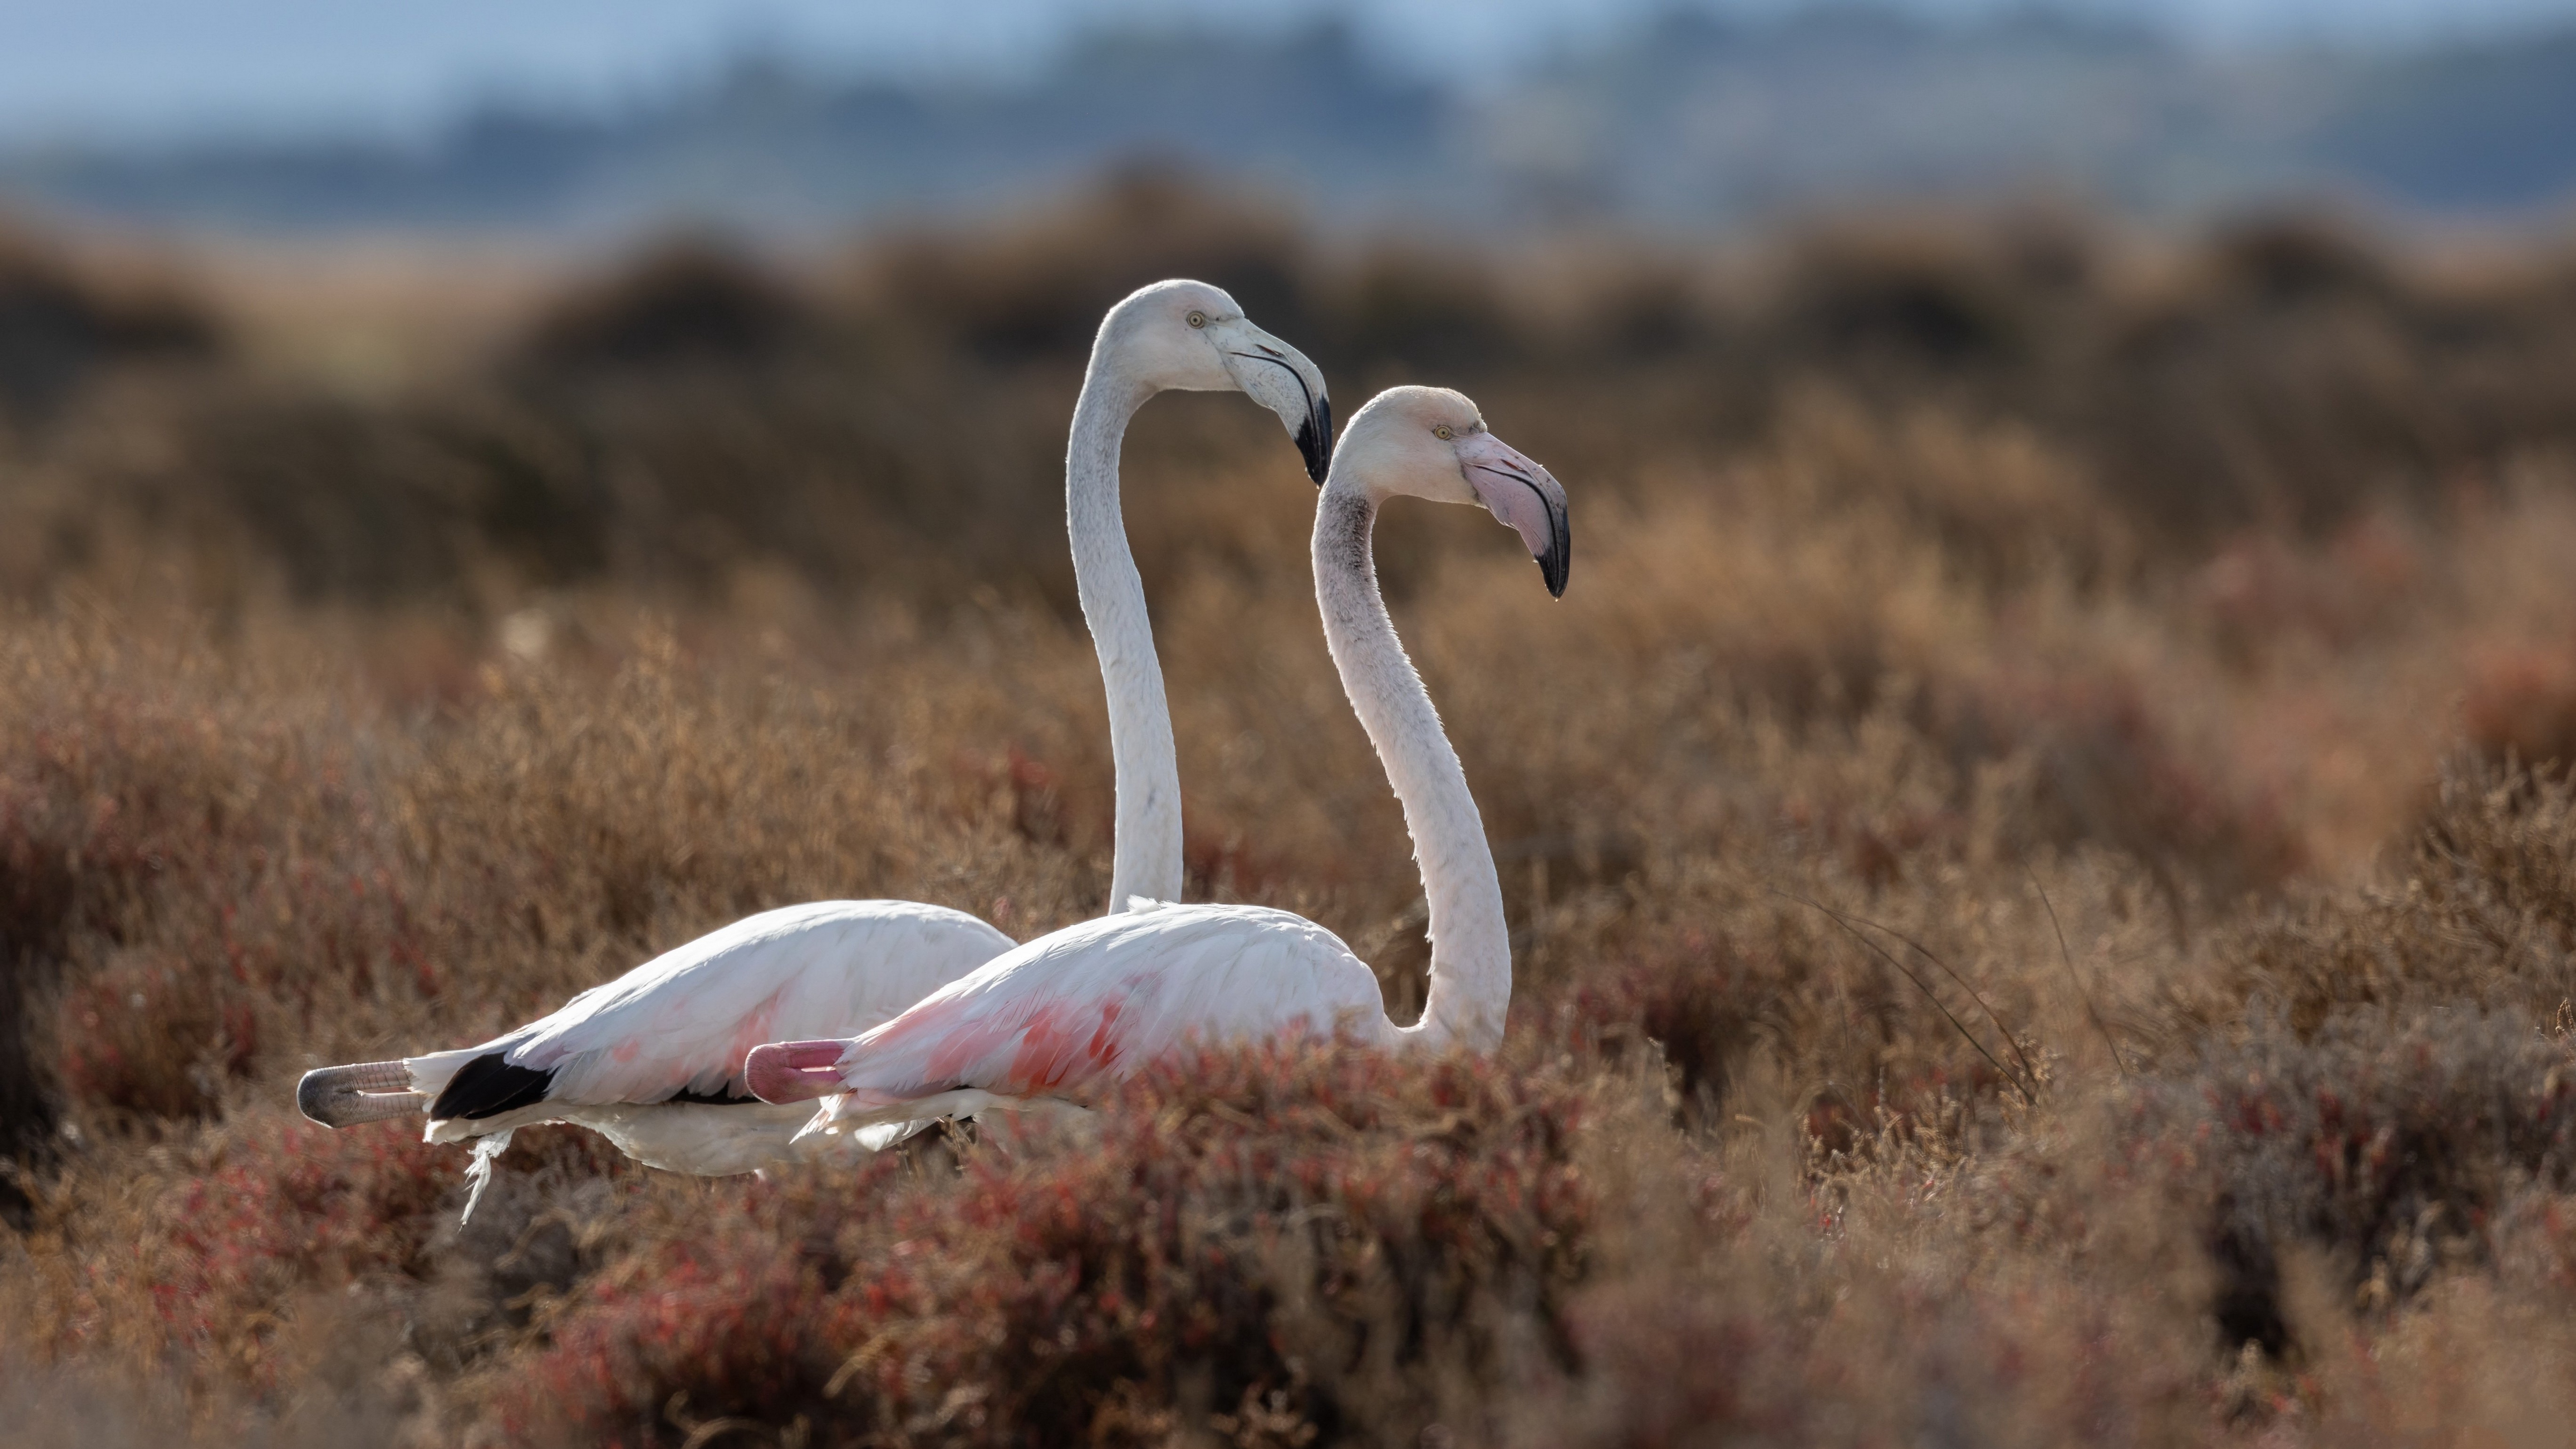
(653, 1060)
(1075, 1010)
(683, 1021)
(668, 1038)
(1057, 1016)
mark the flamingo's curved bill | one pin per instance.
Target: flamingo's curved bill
(1279, 377)
(1524, 495)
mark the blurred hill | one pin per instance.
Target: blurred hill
(1686, 121)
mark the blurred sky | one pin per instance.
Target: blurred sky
(147, 70)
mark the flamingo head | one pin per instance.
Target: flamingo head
(1191, 337)
(794, 1071)
(1432, 443)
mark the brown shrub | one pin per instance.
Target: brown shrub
(2521, 706)
(1285, 1234)
(133, 1038)
(685, 300)
(2102, 769)
(2388, 1141)
(61, 322)
(2284, 259)
(2484, 914)
(1903, 295)
(1039, 289)
(110, 791)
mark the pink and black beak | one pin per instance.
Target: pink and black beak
(784, 1072)
(1524, 495)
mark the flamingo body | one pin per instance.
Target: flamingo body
(1071, 1012)
(653, 1060)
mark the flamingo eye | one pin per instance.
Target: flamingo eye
(1198, 319)
(1444, 432)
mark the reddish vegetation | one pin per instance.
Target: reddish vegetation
(1218, 1217)
(154, 1039)
(294, 1208)
(2522, 705)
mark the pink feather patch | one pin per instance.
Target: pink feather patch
(1054, 1049)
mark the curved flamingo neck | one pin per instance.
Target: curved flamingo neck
(1471, 952)
(1146, 850)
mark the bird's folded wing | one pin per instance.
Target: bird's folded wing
(1100, 1000)
(685, 1020)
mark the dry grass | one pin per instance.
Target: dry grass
(2001, 955)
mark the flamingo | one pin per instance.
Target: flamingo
(653, 1060)
(1059, 1017)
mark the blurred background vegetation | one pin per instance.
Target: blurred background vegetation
(2038, 842)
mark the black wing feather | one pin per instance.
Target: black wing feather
(490, 1085)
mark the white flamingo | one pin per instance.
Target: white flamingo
(1059, 1017)
(653, 1060)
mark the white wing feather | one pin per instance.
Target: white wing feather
(1102, 999)
(685, 1019)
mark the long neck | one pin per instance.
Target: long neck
(1471, 953)
(1146, 851)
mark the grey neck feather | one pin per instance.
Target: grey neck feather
(1146, 852)
(1471, 953)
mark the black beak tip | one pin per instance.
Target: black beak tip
(1315, 440)
(1558, 561)
(313, 1097)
